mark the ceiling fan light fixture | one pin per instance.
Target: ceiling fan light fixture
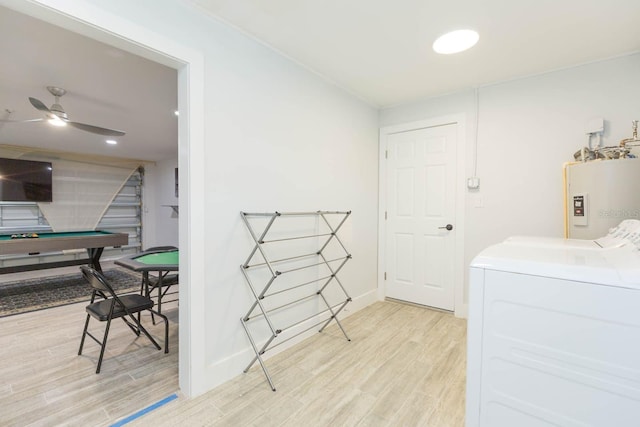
(455, 41)
(111, 141)
(57, 116)
(57, 121)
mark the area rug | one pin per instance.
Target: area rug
(36, 294)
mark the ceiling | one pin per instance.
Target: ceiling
(380, 50)
(377, 50)
(106, 87)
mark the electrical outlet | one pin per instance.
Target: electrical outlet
(473, 183)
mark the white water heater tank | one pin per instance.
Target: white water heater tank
(600, 194)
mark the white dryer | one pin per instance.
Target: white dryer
(554, 335)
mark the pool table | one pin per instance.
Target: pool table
(93, 241)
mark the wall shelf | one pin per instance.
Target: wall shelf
(319, 267)
(174, 207)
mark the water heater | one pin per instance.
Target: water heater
(599, 195)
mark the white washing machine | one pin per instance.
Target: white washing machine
(554, 335)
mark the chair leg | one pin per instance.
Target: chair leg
(166, 335)
(142, 292)
(166, 332)
(159, 305)
(135, 330)
(153, 319)
(103, 346)
(84, 334)
(144, 331)
(166, 329)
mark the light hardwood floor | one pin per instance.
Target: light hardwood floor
(405, 366)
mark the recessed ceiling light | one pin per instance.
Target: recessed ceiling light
(111, 141)
(455, 41)
(177, 113)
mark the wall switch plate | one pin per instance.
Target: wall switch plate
(473, 183)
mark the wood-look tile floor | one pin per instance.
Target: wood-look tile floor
(43, 382)
(405, 366)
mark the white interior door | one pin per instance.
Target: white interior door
(421, 174)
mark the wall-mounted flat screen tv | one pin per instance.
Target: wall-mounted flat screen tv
(25, 181)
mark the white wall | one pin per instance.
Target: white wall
(160, 222)
(527, 129)
(277, 138)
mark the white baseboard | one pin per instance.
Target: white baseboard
(462, 312)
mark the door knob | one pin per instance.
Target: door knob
(448, 227)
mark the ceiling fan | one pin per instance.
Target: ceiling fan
(57, 116)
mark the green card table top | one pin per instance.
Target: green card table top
(162, 262)
(154, 261)
(93, 241)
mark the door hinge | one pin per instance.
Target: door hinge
(385, 275)
(385, 215)
(386, 154)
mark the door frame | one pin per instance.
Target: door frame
(460, 309)
(93, 22)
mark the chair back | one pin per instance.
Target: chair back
(97, 281)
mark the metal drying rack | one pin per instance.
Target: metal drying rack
(332, 267)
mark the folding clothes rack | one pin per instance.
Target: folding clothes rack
(270, 274)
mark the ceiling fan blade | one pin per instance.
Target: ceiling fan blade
(39, 105)
(96, 129)
(21, 121)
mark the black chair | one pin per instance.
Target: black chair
(168, 280)
(113, 306)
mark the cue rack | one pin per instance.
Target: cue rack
(299, 282)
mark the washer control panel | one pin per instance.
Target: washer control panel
(628, 231)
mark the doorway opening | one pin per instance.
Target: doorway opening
(92, 22)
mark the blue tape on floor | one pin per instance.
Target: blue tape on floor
(144, 411)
